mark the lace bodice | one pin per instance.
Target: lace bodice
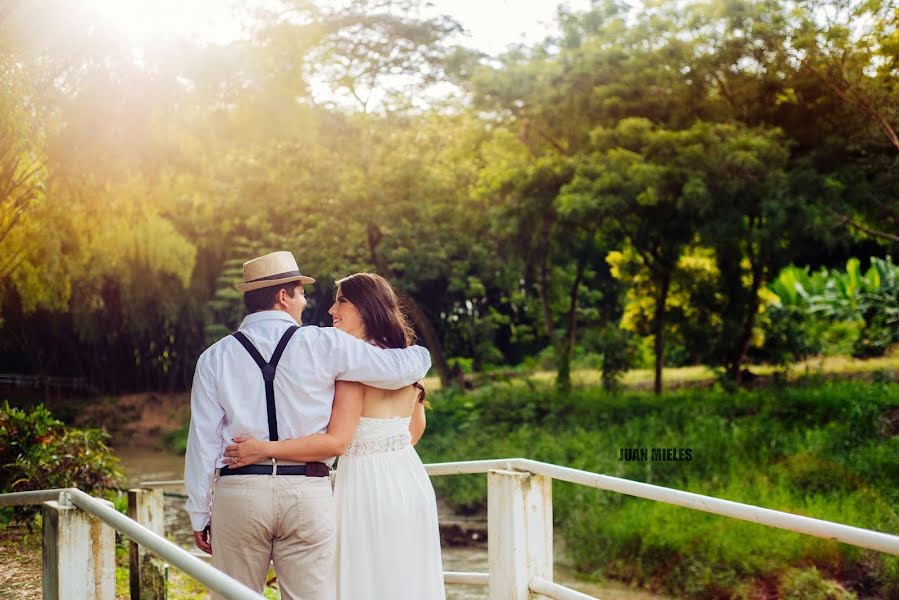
(374, 436)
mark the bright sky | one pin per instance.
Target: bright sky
(491, 25)
(145, 21)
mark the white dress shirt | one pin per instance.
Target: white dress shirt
(228, 394)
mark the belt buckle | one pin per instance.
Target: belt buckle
(274, 467)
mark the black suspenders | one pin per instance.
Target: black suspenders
(268, 373)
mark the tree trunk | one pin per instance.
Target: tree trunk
(658, 326)
(543, 291)
(432, 340)
(566, 348)
(419, 319)
(742, 346)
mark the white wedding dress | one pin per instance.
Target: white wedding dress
(388, 543)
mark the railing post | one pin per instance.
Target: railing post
(78, 554)
(519, 532)
(148, 574)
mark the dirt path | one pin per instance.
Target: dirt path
(20, 563)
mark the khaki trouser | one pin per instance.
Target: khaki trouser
(289, 520)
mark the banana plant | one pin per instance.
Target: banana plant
(842, 294)
(870, 299)
(881, 301)
(791, 286)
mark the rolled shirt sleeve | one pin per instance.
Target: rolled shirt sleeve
(353, 359)
(204, 444)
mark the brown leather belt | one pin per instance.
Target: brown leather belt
(312, 469)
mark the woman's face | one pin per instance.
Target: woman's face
(346, 316)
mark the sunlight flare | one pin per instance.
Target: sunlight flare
(143, 22)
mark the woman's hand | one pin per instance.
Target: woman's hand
(245, 451)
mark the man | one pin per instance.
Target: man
(275, 512)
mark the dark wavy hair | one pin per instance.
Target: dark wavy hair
(385, 323)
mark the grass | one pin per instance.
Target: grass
(823, 449)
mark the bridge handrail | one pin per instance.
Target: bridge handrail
(220, 582)
(856, 536)
(16, 379)
(174, 554)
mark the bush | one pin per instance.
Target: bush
(875, 338)
(838, 338)
(619, 354)
(674, 354)
(586, 360)
(787, 335)
(38, 452)
(545, 360)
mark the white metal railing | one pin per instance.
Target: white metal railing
(856, 536)
(519, 513)
(101, 510)
(19, 380)
(542, 504)
(554, 590)
(534, 564)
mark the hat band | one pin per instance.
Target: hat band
(278, 276)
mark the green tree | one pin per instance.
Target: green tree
(641, 181)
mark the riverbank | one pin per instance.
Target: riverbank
(818, 448)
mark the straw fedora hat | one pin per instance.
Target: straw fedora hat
(272, 269)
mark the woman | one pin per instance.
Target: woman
(388, 542)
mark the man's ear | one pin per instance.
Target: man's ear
(282, 298)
